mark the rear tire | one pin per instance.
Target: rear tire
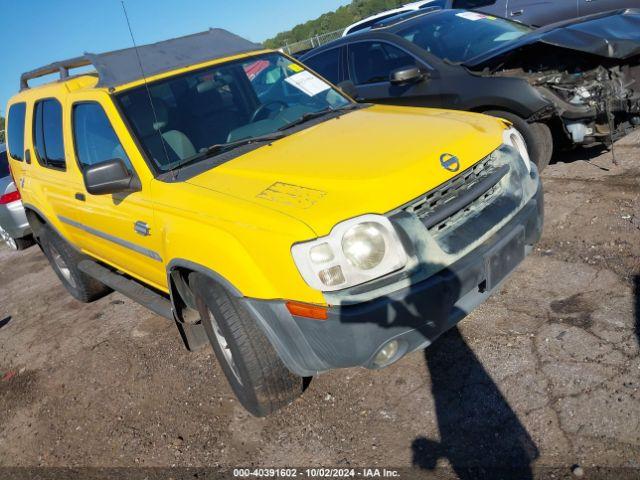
(536, 135)
(254, 370)
(64, 260)
(24, 242)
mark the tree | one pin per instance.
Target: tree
(332, 21)
(2, 130)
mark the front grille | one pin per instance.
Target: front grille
(441, 206)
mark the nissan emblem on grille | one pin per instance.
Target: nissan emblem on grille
(449, 162)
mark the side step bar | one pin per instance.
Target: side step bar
(129, 288)
(193, 336)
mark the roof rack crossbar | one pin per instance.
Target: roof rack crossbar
(62, 67)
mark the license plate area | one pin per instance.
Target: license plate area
(504, 257)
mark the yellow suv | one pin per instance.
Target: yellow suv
(239, 194)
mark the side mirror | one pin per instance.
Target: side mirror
(348, 88)
(110, 176)
(406, 75)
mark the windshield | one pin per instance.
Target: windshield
(458, 35)
(179, 117)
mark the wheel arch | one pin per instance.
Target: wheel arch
(494, 107)
(183, 302)
(37, 220)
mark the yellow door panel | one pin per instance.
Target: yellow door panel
(118, 227)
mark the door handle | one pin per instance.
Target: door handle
(141, 228)
(80, 197)
(517, 13)
(27, 156)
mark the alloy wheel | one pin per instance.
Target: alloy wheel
(224, 346)
(62, 266)
(8, 239)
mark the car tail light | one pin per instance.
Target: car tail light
(9, 197)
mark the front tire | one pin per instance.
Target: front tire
(64, 260)
(536, 135)
(259, 379)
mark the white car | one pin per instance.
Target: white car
(409, 7)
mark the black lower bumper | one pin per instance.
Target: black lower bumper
(413, 316)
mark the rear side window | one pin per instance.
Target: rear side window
(15, 130)
(94, 136)
(47, 133)
(4, 165)
(327, 64)
(372, 62)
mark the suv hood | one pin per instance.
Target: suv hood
(371, 160)
(613, 34)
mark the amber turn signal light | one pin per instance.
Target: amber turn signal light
(307, 310)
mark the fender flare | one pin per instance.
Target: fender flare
(192, 334)
(38, 212)
(195, 267)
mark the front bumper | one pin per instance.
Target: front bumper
(13, 220)
(414, 316)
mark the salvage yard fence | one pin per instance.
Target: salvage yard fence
(313, 42)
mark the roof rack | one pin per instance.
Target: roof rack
(124, 66)
(63, 67)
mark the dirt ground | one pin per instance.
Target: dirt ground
(546, 374)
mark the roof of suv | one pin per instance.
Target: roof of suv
(124, 66)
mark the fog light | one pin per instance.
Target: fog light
(386, 354)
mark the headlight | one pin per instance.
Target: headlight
(356, 251)
(513, 138)
(364, 245)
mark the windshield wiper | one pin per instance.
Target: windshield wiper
(225, 147)
(305, 117)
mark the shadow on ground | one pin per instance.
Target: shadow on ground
(480, 434)
(4, 321)
(579, 153)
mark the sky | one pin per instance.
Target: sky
(45, 31)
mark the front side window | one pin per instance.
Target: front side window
(459, 36)
(47, 133)
(179, 118)
(327, 64)
(95, 139)
(15, 130)
(372, 62)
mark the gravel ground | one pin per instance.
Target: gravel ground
(545, 374)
